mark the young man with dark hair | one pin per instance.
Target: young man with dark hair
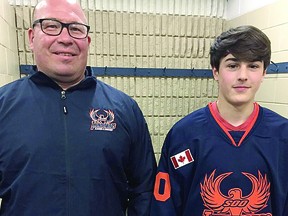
(230, 157)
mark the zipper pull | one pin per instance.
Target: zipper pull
(65, 110)
(63, 97)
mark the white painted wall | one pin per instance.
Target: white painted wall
(9, 64)
(236, 8)
(214, 8)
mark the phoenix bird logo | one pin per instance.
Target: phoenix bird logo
(102, 120)
(234, 204)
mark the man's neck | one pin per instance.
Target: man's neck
(66, 86)
(234, 114)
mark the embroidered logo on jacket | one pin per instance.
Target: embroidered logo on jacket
(102, 120)
(181, 159)
(234, 204)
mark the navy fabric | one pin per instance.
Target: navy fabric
(223, 178)
(55, 159)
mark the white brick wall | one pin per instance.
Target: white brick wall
(165, 100)
(8, 45)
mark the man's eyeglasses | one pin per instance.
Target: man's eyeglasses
(54, 27)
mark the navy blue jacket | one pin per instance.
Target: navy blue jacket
(201, 172)
(83, 151)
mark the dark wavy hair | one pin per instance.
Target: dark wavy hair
(246, 43)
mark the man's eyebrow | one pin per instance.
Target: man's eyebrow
(232, 59)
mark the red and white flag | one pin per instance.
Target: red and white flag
(181, 159)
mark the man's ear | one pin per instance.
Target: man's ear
(215, 73)
(89, 39)
(31, 38)
(264, 74)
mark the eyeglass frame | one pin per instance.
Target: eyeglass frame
(63, 25)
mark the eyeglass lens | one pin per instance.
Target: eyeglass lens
(54, 27)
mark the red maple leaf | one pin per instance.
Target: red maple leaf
(181, 158)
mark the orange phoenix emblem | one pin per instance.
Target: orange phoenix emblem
(234, 203)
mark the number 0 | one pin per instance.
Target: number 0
(167, 187)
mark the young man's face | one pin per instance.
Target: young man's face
(238, 81)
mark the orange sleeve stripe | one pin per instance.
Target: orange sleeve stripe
(167, 187)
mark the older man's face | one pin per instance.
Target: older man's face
(62, 57)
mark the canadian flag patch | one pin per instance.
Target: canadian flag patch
(181, 159)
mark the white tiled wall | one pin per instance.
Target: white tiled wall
(236, 8)
(9, 64)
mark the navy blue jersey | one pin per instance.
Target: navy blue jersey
(202, 172)
(85, 151)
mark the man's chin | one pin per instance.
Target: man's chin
(65, 70)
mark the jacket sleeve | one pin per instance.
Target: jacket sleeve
(166, 198)
(142, 167)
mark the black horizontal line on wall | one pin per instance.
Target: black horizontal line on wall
(159, 72)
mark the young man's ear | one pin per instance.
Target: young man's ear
(215, 73)
(264, 74)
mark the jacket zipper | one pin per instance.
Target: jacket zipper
(63, 97)
(67, 158)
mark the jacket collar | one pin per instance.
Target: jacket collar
(41, 78)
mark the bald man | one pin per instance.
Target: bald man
(67, 55)
(69, 143)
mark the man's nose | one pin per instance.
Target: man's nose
(64, 36)
(243, 71)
